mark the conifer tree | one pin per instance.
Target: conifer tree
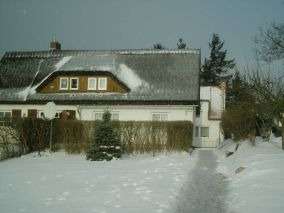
(216, 66)
(106, 145)
(181, 44)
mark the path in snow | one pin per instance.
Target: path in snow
(205, 189)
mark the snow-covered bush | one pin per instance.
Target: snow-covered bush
(106, 144)
(9, 142)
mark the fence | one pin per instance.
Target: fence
(75, 136)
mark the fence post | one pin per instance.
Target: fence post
(50, 137)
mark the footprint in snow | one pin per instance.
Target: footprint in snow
(65, 193)
(43, 178)
(146, 198)
(125, 184)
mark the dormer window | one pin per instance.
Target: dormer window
(74, 83)
(102, 83)
(92, 83)
(63, 84)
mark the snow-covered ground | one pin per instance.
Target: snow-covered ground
(62, 183)
(259, 188)
(170, 183)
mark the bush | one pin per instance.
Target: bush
(154, 136)
(239, 120)
(9, 142)
(35, 134)
(76, 136)
(70, 135)
(106, 145)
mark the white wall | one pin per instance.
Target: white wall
(215, 96)
(129, 112)
(141, 112)
(212, 119)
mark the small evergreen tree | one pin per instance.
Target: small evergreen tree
(181, 44)
(216, 66)
(106, 145)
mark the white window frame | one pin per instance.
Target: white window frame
(6, 112)
(202, 131)
(89, 85)
(160, 116)
(98, 115)
(74, 78)
(99, 83)
(115, 116)
(197, 131)
(60, 86)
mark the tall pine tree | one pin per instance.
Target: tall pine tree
(106, 145)
(216, 66)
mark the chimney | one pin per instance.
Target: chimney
(54, 45)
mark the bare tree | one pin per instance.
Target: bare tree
(270, 42)
(269, 93)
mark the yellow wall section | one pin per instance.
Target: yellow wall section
(52, 85)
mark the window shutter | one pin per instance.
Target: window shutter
(32, 113)
(16, 113)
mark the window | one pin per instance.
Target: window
(160, 116)
(196, 131)
(74, 83)
(92, 83)
(204, 131)
(16, 113)
(115, 116)
(5, 114)
(32, 113)
(102, 83)
(63, 84)
(99, 115)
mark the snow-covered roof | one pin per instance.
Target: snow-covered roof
(162, 75)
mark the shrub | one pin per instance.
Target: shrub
(9, 142)
(106, 145)
(239, 120)
(35, 134)
(70, 135)
(153, 136)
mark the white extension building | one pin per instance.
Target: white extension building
(140, 85)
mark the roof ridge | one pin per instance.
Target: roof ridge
(74, 52)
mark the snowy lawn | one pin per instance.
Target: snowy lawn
(68, 183)
(259, 188)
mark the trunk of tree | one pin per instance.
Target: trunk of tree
(282, 123)
(282, 137)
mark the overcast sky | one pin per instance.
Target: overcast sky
(116, 24)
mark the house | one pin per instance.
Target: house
(139, 85)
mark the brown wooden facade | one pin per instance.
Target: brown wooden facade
(52, 84)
